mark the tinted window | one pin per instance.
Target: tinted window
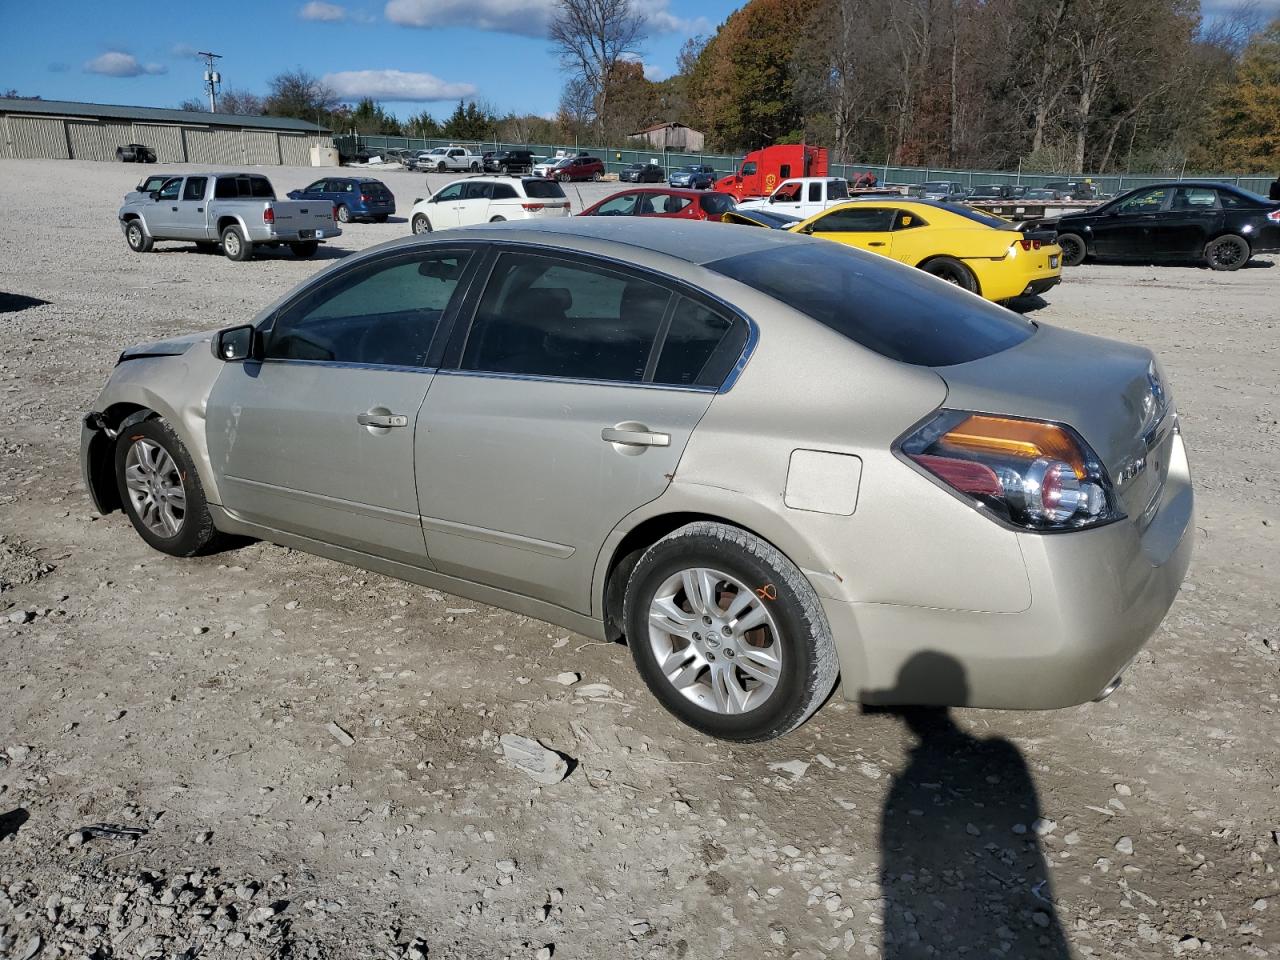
(879, 304)
(546, 317)
(504, 191)
(170, 190)
(749, 169)
(855, 218)
(543, 189)
(384, 312)
(477, 191)
(717, 203)
(259, 188)
(700, 348)
(907, 220)
(194, 190)
(815, 193)
(837, 190)
(317, 187)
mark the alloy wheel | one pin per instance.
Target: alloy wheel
(155, 488)
(715, 641)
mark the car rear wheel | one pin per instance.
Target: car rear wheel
(1073, 249)
(420, 223)
(137, 238)
(234, 244)
(597, 177)
(1227, 253)
(728, 634)
(161, 490)
(952, 271)
(344, 215)
(305, 248)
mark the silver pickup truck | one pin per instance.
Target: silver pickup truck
(237, 210)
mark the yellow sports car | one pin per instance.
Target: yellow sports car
(967, 247)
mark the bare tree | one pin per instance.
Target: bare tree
(592, 37)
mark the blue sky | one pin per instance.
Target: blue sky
(410, 54)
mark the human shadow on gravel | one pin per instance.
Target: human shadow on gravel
(12, 821)
(13, 302)
(961, 865)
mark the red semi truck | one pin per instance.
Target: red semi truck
(764, 169)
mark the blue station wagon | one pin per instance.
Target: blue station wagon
(353, 198)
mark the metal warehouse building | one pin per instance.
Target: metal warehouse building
(60, 130)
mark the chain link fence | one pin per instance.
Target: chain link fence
(616, 158)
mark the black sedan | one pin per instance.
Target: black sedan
(1205, 222)
(135, 153)
(642, 173)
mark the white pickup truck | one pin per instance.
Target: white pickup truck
(449, 158)
(802, 196)
(237, 210)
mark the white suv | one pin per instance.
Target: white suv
(465, 203)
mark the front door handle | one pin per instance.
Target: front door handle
(635, 435)
(382, 420)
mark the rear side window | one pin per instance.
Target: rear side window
(882, 305)
(194, 190)
(477, 191)
(543, 189)
(700, 348)
(504, 191)
(232, 188)
(545, 317)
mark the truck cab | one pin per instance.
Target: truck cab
(762, 170)
(802, 196)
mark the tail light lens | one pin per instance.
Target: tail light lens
(268, 215)
(1274, 215)
(532, 206)
(365, 198)
(1030, 244)
(334, 211)
(1029, 473)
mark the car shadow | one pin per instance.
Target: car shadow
(13, 302)
(962, 870)
(1253, 264)
(1027, 304)
(12, 821)
(324, 252)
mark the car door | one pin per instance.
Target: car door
(316, 438)
(788, 198)
(551, 427)
(1124, 230)
(1193, 216)
(858, 225)
(162, 215)
(473, 205)
(190, 221)
(443, 204)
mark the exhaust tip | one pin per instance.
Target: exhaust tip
(1109, 689)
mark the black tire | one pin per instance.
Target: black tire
(1228, 252)
(475, 167)
(206, 246)
(420, 224)
(344, 215)
(305, 248)
(597, 177)
(497, 219)
(808, 655)
(504, 169)
(137, 238)
(952, 271)
(563, 178)
(441, 167)
(1073, 249)
(195, 532)
(235, 246)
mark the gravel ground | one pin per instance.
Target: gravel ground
(170, 784)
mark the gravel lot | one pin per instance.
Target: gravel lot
(193, 700)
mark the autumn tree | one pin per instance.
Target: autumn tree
(1249, 129)
(592, 37)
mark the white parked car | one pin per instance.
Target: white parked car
(449, 158)
(802, 196)
(474, 200)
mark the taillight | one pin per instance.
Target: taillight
(1032, 474)
(1274, 215)
(269, 215)
(532, 206)
(365, 198)
(1029, 244)
(334, 211)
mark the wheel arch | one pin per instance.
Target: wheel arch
(960, 261)
(99, 452)
(230, 220)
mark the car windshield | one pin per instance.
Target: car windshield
(1249, 195)
(883, 306)
(543, 189)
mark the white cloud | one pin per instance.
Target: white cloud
(529, 18)
(395, 85)
(185, 51)
(116, 63)
(323, 12)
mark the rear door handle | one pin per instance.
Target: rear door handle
(382, 420)
(637, 436)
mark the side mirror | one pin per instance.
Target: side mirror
(155, 194)
(806, 229)
(293, 194)
(235, 343)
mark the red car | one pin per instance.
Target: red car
(663, 202)
(577, 168)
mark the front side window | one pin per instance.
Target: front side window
(170, 190)
(194, 190)
(317, 187)
(1145, 201)
(452, 192)
(787, 193)
(855, 219)
(541, 316)
(623, 205)
(385, 312)
(749, 169)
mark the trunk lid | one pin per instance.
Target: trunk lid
(1113, 394)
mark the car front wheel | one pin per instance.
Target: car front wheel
(1227, 253)
(728, 634)
(1073, 249)
(344, 215)
(161, 490)
(420, 224)
(137, 238)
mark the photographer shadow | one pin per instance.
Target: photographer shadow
(961, 865)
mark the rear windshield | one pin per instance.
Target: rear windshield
(895, 311)
(980, 216)
(543, 189)
(717, 203)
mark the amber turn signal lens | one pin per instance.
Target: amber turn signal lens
(1023, 439)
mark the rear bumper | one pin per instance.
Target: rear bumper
(1097, 597)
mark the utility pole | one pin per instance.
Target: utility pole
(211, 79)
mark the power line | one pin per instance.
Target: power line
(211, 78)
